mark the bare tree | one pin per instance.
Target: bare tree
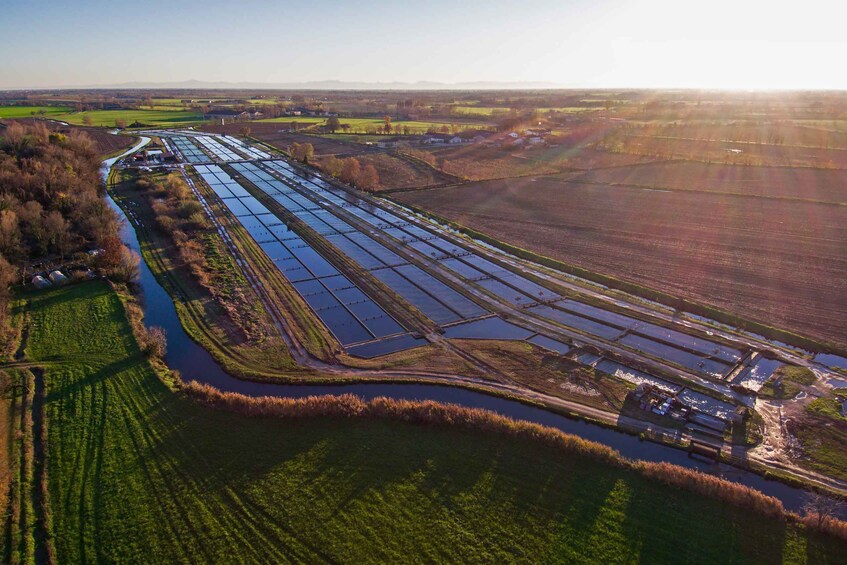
(86, 120)
(155, 342)
(822, 507)
(10, 234)
(57, 232)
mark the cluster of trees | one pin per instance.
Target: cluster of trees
(180, 217)
(302, 152)
(351, 171)
(52, 203)
(51, 197)
(198, 250)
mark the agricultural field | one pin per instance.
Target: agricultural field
(29, 111)
(729, 152)
(278, 136)
(479, 163)
(161, 116)
(139, 473)
(108, 118)
(819, 185)
(199, 100)
(502, 111)
(370, 125)
(749, 256)
(785, 133)
(478, 110)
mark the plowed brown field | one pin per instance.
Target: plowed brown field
(783, 263)
(824, 185)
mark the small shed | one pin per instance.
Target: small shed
(56, 277)
(40, 282)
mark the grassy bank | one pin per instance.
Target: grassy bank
(138, 473)
(822, 434)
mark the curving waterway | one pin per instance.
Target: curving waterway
(195, 363)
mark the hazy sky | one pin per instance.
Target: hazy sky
(573, 43)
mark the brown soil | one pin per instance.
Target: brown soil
(783, 263)
(805, 183)
(769, 133)
(729, 152)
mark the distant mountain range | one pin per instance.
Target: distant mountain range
(315, 85)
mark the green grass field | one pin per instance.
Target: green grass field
(823, 433)
(365, 124)
(792, 381)
(33, 111)
(165, 118)
(501, 111)
(480, 110)
(177, 102)
(138, 474)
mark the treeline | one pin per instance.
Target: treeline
(428, 412)
(52, 204)
(349, 171)
(51, 197)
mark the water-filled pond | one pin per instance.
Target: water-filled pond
(195, 363)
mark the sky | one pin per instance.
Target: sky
(732, 44)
